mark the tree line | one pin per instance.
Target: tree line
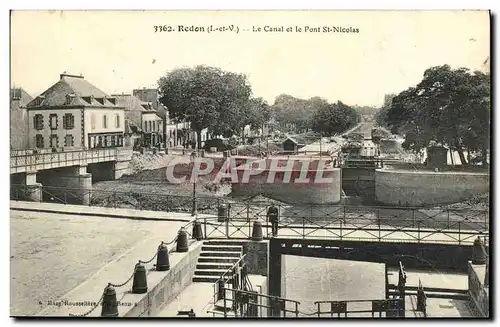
(209, 97)
(449, 106)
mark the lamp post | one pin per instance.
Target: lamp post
(194, 211)
(320, 139)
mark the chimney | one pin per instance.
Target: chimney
(69, 75)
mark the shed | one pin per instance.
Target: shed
(292, 144)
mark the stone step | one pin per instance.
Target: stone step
(224, 242)
(232, 260)
(215, 265)
(222, 248)
(220, 254)
(205, 279)
(212, 272)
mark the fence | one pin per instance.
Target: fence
(246, 304)
(235, 219)
(387, 307)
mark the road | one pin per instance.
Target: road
(50, 254)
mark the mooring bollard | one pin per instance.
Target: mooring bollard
(478, 252)
(197, 232)
(140, 284)
(109, 303)
(182, 241)
(257, 231)
(162, 259)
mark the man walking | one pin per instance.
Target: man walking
(272, 216)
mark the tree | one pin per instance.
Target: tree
(330, 119)
(205, 97)
(257, 113)
(291, 113)
(448, 106)
(381, 114)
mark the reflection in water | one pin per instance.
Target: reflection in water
(316, 279)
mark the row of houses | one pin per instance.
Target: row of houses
(73, 113)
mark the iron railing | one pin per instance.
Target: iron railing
(388, 224)
(226, 277)
(391, 307)
(28, 160)
(276, 304)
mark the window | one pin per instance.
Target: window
(117, 121)
(39, 141)
(53, 121)
(104, 121)
(99, 142)
(38, 122)
(69, 140)
(92, 121)
(113, 140)
(105, 141)
(69, 99)
(150, 129)
(68, 121)
(54, 141)
(38, 101)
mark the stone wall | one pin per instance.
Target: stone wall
(257, 257)
(477, 291)
(397, 187)
(288, 185)
(163, 286)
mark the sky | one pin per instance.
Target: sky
(119, 51)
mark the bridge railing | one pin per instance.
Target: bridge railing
(47, 159)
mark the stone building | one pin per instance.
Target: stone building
(73, 113)
(172, 130)
(143, 125)
(19, 99)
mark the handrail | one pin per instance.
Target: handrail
(224, 274)
(270, 306)
(350, 301)
(263, 295)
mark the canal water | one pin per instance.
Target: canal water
(317, 279)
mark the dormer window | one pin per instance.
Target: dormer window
(69, 99)
(87, 99)
(112, 100)
(39, 100)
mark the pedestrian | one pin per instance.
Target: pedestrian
(191, 314)
(273, 217)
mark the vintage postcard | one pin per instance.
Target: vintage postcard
(250, 164)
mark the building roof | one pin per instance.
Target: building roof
(71, 91)
(134, 108)
(296, 139)
(151, 96)
(133, 111)
(129, 102)
(19, 98)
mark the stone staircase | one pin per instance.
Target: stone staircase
(216, 258)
